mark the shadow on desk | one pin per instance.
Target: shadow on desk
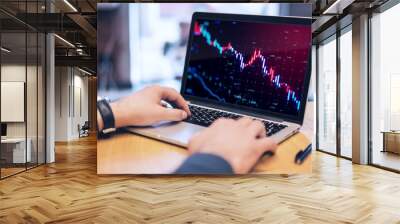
(127, 153)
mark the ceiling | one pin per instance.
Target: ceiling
(76, 20)
(72, 20)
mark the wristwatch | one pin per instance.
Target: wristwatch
(108, 117)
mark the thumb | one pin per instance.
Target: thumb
(171, 114)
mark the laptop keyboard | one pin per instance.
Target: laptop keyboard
(205, 117)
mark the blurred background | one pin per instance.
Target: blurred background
(145, 43)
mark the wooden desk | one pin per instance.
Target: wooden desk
(133, 154)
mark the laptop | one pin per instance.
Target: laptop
(243, 66)
(3, 131)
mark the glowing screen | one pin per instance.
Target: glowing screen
(253, 64)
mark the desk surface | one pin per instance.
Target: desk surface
(134, 154)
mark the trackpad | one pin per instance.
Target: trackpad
(174, 132)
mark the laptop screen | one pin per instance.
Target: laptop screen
(263, 65)
(3, 129)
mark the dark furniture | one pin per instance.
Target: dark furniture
(391, 141)
(84, 129)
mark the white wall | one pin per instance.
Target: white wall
(81, 100)
(33, 127)
(16, 73)
(61, 103)
(12, 101)
(71, 94)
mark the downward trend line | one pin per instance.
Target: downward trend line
(198, 77)
(201, 30)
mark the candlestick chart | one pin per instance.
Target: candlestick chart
(259, 65)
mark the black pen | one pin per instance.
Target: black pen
(303, 154)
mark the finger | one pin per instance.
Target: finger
(173, 95)
(257, 129)
(266, 144)
(245, 121)
(171, 114)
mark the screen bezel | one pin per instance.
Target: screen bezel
(240, 108)
(3, 129)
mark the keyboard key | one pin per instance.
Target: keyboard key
(205, 117)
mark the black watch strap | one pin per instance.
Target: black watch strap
(108, 118)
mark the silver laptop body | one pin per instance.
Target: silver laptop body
(179, 133)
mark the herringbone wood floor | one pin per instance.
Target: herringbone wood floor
(69, 191)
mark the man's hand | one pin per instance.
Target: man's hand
(145, 108)
(240, 142)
